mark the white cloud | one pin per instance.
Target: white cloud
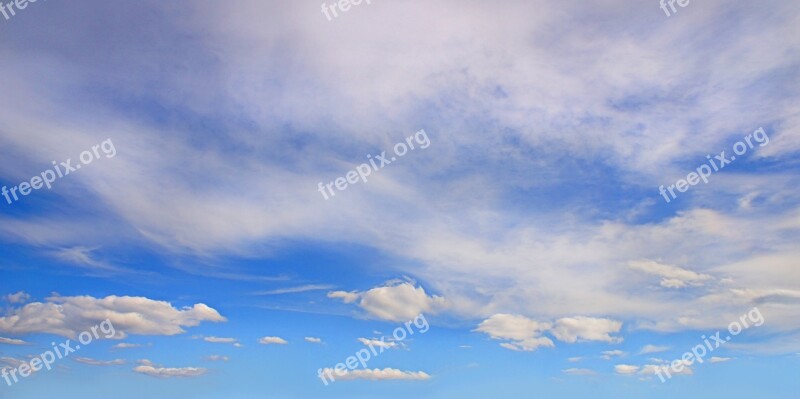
(218, 358)
(296, 290)
(715, 359)
(221, 340)
(125, 345)
(523, 333)
(671, 276)
(12, 341)
(95, 362)
(577, 371)
(68, 316)
(626, 369)
(613, 353)
(154, 370)
(378, 343)
(580, 328)
(313, 340)
(379, 375)
(653, 349)
(346, 297)
(575, 359)
(19, 297)
(272, 340)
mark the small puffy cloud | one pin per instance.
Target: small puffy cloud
(615, 353)
(272, 340)
(313, 340)
(575, 359)
(576, 371)
(715, 359)
(19, 297)
(12, 341)
(149, 368)
(653, 349)
(379, 375)
(626, 369)
(378, 343)
(671, 276)
(523, 334)
(218, 358)
(580, 328)
(125, 345)
(346, 297)
(650, 369)
(68, 316)
(95, 362)
(222, 340)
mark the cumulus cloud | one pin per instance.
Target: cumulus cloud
(95, 362)
(379, 375)
(313, 340)
(523, 334)
(272, 341)
(671, 276)
(12, 341)
(626, 369)
(19, 297)
(378, 343)
(614, 353)
(154, 370)
(574, 329)
(396, 301)
(222, 340)
(68, 316)
(653, 349)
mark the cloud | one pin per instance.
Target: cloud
(19, 297)
(82, 257)
(715, 359)
(95, 362)
(7, 363)
(523, 334)
(379, 375)
(222, 340)
(154, 370)
(396, 301)
(575, 359)
(626, 369)
(574, 329)
(346, 297)
(653, 349)
(671, 276)
(125, 345)
(313, 340)
(295, 290)
(68, 316)
(218, 358)
(272, 340)
(378, 343)
(12, 341)
(614, 353)
(577, 371)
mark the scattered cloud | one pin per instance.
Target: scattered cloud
(149, 368)
(395, 301)
(222, 340)
(577, 371)
(653, 349)
(378, 343)
(522, 333)
(218, 358)
(614, 353)
(574, 329)
(313, 340)
(19, 297)
(626, 369)
(715, 359)
(12, 341)
(68, 316)
(95, 362)
(671, 276)
(272, 340)
(379, 375)
(296, 290)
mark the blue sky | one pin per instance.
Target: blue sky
(530, 233)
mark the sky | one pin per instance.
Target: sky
(511, 198)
